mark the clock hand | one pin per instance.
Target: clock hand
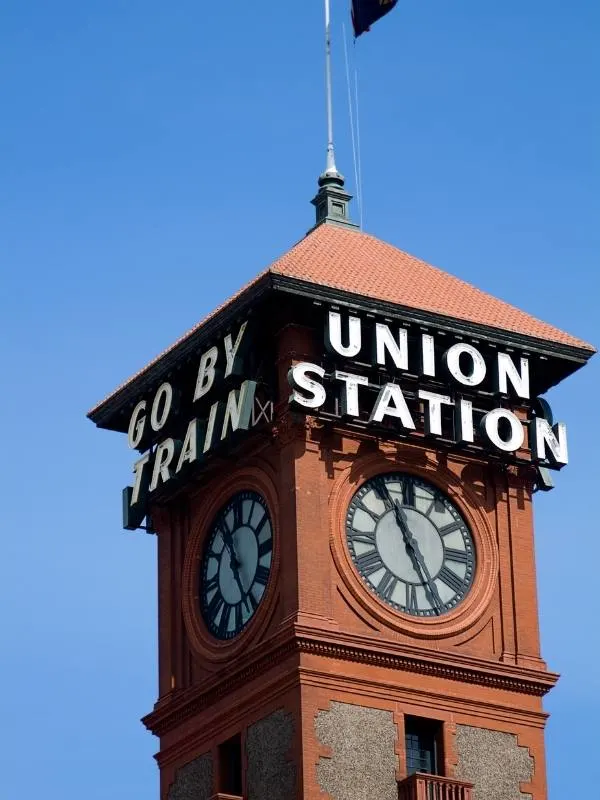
(234, 562)
(411, 543)
(384, 493)
(414, 550)
(229, 544)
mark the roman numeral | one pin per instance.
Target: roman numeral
(450, 528)
(224, 621)
(265, 547)
(364, 538)
(251, 511)
(369, 562)
(387, 585)
(211, 583)
(238, 617)
(381, 490)
(408, 492)
(411, 598)
(451, 579)
(372, 514)
(253, 601)
(215, 605)
(237, 515)
(262, 575)
(435, 505)
(460, 556)
(262, 522)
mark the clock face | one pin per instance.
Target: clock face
(410, 545)
(236, 564)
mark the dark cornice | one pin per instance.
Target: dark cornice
(327, 294)
(106, 414)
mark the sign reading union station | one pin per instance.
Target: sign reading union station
(370, 373)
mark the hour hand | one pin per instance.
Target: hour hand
(228, 539)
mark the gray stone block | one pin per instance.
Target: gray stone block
(494, 762)
(194, 781)
(271, 775)
(363, 760)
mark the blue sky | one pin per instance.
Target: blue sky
(153, 158)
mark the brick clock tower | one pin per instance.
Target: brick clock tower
(339, 465)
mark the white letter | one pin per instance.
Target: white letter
(139, 480)
(541, 434)
(398, 350)
(165, 453)
(238, 410)
(206, 373)
(210, 426)
(452, 362)
(350, 407)
(191, 444)
(490, 425)
(507, 371)
(158, 417)
(391, 403)
(433, 417)
(428, 355)
(334, 335)
(298, 379)
(465, 431)
(136, 425)
(232, 366)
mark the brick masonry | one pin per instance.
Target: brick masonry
(363, 761)
(494, 762)
(324, 718)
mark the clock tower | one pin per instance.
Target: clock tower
(339, 465)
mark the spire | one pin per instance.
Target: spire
(331, 201)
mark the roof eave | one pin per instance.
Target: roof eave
(104, 415)
(578, 354)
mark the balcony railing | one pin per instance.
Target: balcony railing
(433, 787)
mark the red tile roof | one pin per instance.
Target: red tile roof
(357, 263)
(361, 264)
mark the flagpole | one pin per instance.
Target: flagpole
(331, 167)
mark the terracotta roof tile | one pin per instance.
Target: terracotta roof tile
(355, 262)
(361, 264)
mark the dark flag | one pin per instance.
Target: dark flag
(366, 12)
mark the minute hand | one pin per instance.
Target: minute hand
(413, 546)
(234, 561)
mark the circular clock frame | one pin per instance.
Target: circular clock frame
(236, 564)
(430, 575)
(477, 600)
(219, 494)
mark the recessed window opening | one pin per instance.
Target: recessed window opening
(423, 745)
(230, 766)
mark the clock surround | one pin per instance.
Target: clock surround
(258, 479)
(410, 544)
(466, 614)
(236, 564)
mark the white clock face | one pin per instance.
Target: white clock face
(410, 545)
(236, 565)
